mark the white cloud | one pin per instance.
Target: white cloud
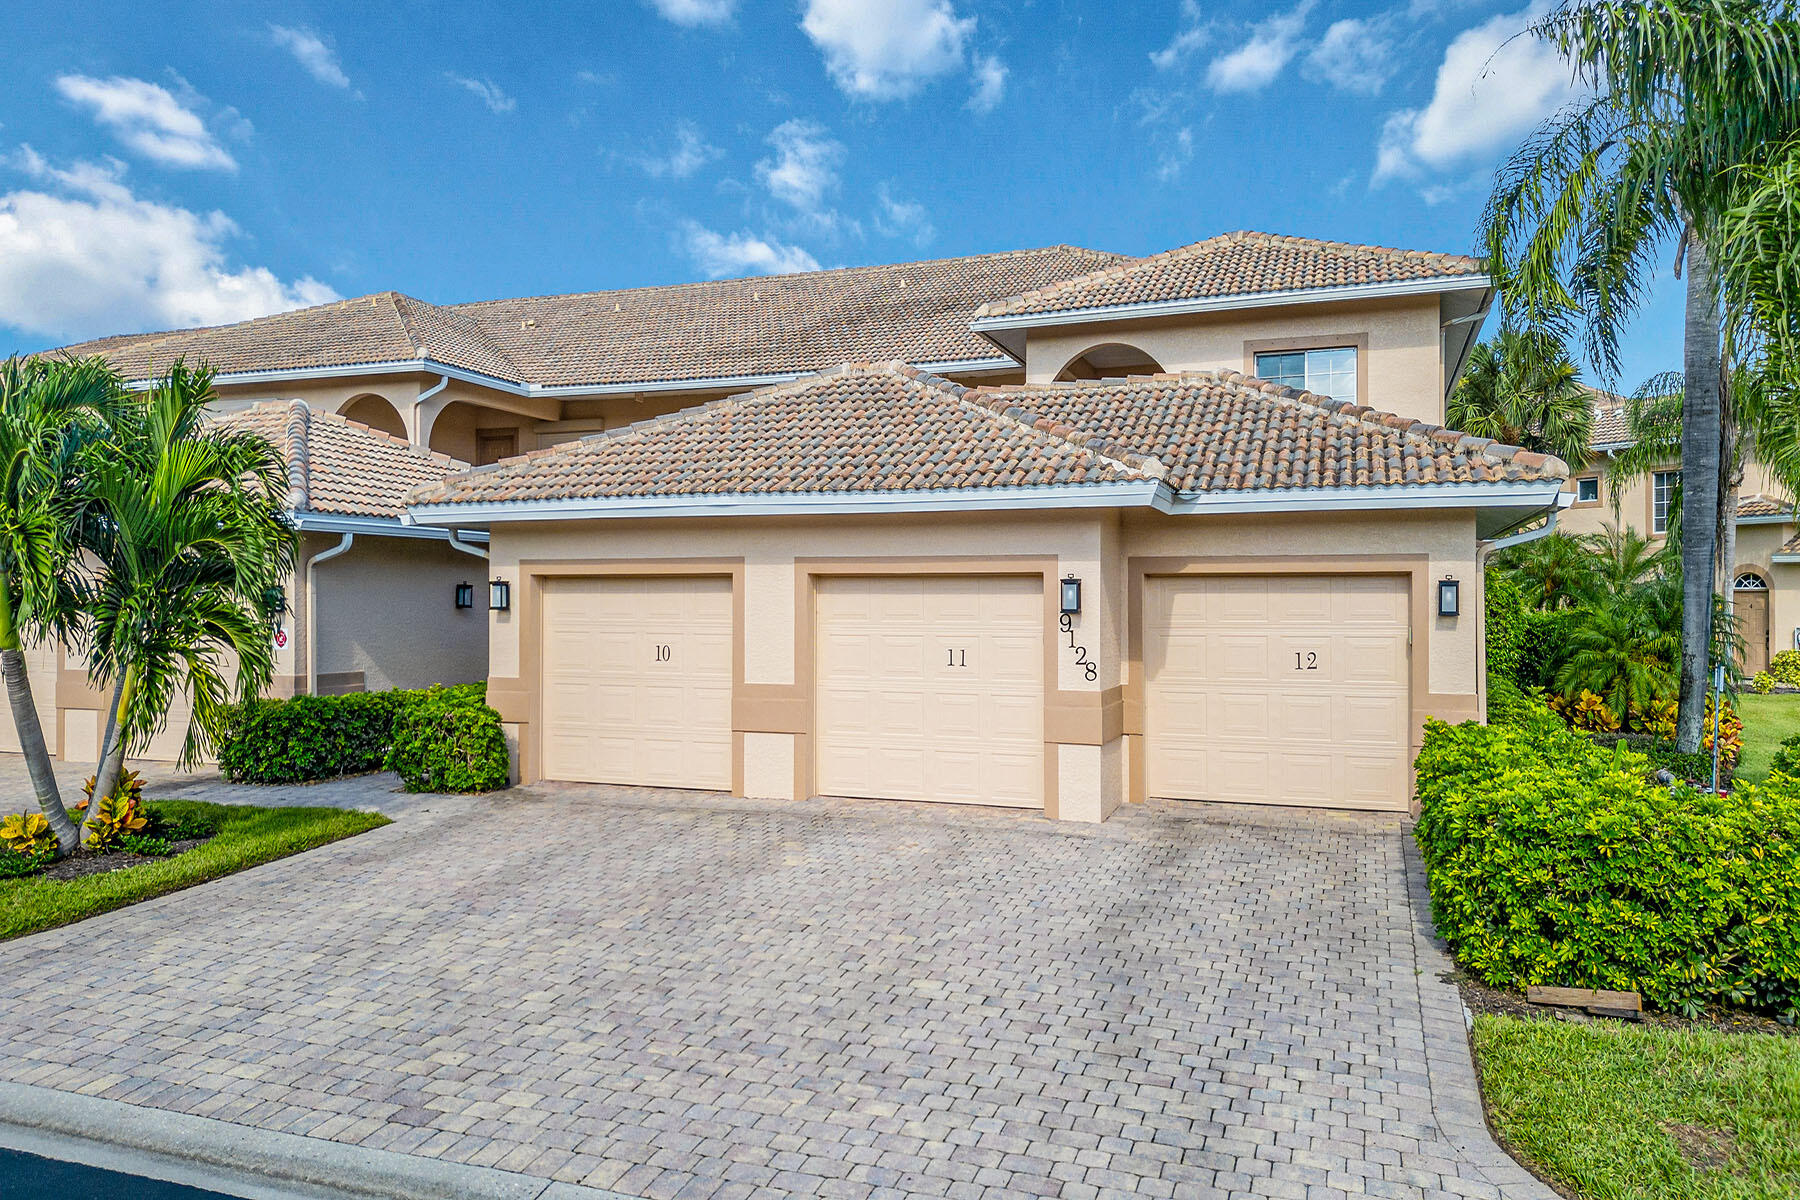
(887, 49)
(1193, 34)
(690, 152)
(898, 218)
(1255, 63)
(990, 84)
(487, 90)
(148, 119)
(1354, 54)
(1176, 155)
(311, 52)
(695, 12)
(803, 170)
(720, 255)
(1491, 87)
(81, 256)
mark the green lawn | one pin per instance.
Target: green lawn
(1600, 1108)
(1767, 719)
(247, 836)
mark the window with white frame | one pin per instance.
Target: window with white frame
(1587, 491)
(1662, 496)
(1322, 372)
(1750, 581)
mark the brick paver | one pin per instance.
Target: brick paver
(686, 996)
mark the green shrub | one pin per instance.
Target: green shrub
(1505, 606)
(1787, 757)
(1510, 704)
(446, 740)
(149, 846)
(1763, 683)
(184, 820)
(14, 865)
(1695, 768)
(1544, 645)
(1556, 861)
(1785, 667)
(318, 737)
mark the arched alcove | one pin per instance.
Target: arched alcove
(1109, 360)
(377, 412)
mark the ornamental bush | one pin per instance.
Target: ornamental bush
(1784, 667)
(1505, 613)
(1556, 861)
(319, 737)
(446, 740)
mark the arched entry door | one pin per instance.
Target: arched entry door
(1750, 604)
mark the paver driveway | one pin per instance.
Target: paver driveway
(675, 995)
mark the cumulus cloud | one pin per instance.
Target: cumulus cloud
(310, 51)
(695, 12)
(803, 170)
(148, 119)
(81, 255)
(486, 90)
(721, 255)
(1255, 62)
(897, 218)
(1491, 87)
(690, 152)
(1355, 54)
(889, 49)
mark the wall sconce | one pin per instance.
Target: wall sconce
(1449, 597)
(1071, 596)
(465, 595)
(499, 595)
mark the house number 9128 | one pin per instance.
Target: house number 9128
(1090, 670)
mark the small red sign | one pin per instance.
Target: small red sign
(280, 638)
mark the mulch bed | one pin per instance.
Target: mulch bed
(82, 864)
(1481, 999)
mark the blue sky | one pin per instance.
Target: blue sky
(172, 164)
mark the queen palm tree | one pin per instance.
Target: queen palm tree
(1682, 95)
(187, 525)
(1623, 560)
(1554, 571)
(49, 410)
(1522, 389)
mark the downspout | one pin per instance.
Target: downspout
(1519, 539)
(457, 542)
(418, 407)
(312, 606)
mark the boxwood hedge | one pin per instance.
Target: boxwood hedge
(1555, 861)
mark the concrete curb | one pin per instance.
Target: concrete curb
(257, 1164)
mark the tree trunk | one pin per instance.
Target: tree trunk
(112, 751)
(31, 731)
(1700, 482)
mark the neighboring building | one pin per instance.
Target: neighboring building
(372, 603)
(848, 580)
(1766, 575)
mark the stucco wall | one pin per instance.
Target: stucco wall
(386, 610)
(1402, 368)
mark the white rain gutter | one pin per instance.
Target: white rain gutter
(312, 608)
(1205, 304)
(372, 526)
(457, 543)
(1424, 495)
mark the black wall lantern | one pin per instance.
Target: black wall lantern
(1071, 596)
(1449, 597)
(465, 595)
(499, 595)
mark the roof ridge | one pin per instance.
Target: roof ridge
(991, 401)
(298, 467)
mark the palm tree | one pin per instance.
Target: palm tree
(1623, 559)
(1554, 571)
(1620, 655)
(1758, 242)
(1521, 389)
(1683, 95)
(187, 524)
(49, 410)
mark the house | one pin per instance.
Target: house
(1051, 528)
(1766, 574)
(373, 603)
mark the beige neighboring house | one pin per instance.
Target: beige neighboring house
(373, 603)
(728, 561)
(1766, 576)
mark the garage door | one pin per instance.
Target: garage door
(931, 689)
(1278, 690)
(41, 664)
(637, 681)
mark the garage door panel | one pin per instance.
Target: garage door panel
(637, 681)
(1224, 722)
(957, 687)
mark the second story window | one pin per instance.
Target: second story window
(1662, 498)
(1322, 372)
(1587, 491)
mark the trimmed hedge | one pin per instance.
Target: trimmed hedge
(446, 742)
(1505, 613)
(1556, 861)
(309, 738)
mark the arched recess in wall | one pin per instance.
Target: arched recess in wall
(377, 412)
(476, 434)
(1109, 360)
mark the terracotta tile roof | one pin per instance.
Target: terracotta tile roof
(886, 427)
(1234, 264)
(1226, 432)
(859, 428)
(338, 466)
(1763, 506)
(771, 324)
(1791, 546)
(1610, 425)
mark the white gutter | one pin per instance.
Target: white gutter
(456, 543)
(1781, 518)
(372, 526)
(1530, 535)
(312, 608)
(1204, 304)
(1425, 495)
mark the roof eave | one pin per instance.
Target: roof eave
(309, 521)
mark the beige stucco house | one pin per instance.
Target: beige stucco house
(1079, 529)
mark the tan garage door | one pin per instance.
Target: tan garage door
(637, 681)
(932, 688)
(41, 664)
(1277, 690)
